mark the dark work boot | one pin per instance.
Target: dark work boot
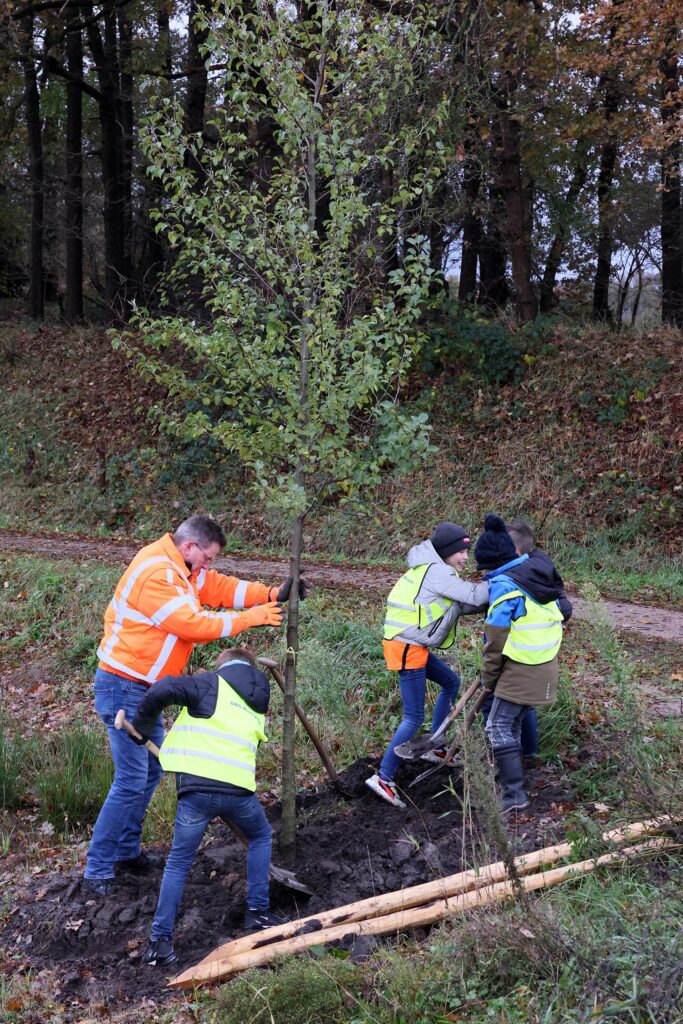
(511, 778)
(143, 864)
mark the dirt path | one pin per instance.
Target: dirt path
(648, 621)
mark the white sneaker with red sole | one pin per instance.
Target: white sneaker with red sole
(386, 790)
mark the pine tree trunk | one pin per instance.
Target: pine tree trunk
(605, 246)
(35, 305)
(106, 62)
(472, 228)
(73, 308)
(672, 247)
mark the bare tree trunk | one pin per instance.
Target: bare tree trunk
(73, 309)
(106, 62)
(36, 305)
(639, 292)
(195, 96)
(472, 229)
(518, 220)
(603, 269)
(288, 827)
(672, 247)
(126, 115)
(556, 251)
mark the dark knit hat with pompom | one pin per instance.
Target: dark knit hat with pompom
(495, 547)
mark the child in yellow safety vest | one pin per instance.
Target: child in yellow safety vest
(422, 614)
(523, 633)
(212, 749)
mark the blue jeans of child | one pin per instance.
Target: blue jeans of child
(529, 735)
(118, 828)
(195, 811)
(504, 723)
(413, 691)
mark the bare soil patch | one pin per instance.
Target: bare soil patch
(350, 846)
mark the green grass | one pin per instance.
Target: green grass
(71, 774)
(14, 756)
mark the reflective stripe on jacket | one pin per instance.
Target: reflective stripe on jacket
(222, 747)
(156, 616)
(404, 611)
(534, 637)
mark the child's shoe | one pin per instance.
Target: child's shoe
(256, 920)
(386, 790)
(159, 953)
(438, 756)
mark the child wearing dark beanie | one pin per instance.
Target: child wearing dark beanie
(523, 633)
(422, 613)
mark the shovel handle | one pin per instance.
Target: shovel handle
(456, 709)
(121, 722)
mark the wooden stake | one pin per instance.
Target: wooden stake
(414, 896)
(305, 721)
(217, 970)
(404, 899)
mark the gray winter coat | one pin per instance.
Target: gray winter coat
(441, 581)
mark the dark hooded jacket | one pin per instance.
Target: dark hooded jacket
(536, 576)
(199, 694)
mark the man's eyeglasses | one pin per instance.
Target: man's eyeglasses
(209, 558)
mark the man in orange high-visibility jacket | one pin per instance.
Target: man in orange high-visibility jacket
(150, 628)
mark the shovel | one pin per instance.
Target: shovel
(412, 749)
(455, 745)
(281, 875)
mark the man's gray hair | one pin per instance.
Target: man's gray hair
(202, 529)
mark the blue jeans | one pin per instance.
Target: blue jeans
(529, 736)
(504, 723)
(413, 691)
(118, 828)
(195, 811)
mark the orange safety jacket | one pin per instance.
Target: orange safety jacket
(156, 616)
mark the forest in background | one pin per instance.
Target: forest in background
(558, 153)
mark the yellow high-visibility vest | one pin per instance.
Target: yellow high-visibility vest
(403, 610)
(536, 636)
(222, 747)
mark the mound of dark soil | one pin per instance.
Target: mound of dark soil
(350, 846)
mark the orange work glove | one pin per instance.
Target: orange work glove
(260, 615)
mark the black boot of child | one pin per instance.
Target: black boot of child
(511, 778)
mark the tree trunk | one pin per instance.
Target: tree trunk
(472, 228)
(493, 284)
(73, 309)
(556, 251)
(35, 305)
(126, 116)
(603, 269)
(608, 162)
(639, 292)
(106, 62)
(195, 96)
(672, 248)
(288, 826)
(518, 219)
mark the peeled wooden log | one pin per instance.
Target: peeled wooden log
(414, 896)
(217, 970)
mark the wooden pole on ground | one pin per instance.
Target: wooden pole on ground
(217, 970)
(404, 899)
(415, 895)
